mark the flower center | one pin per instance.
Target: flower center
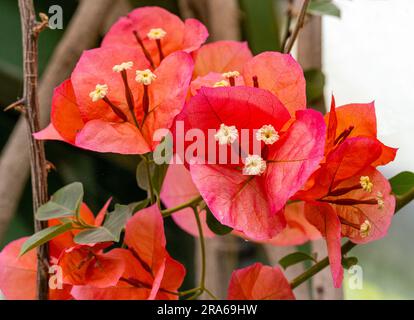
(254, 165)
(146, 77)
(123, 66)
(226, 134)
(366, 183)
(365, 229)
(156, 34)
(267, 134)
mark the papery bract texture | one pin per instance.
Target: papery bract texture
(259, 282)
(180, 36)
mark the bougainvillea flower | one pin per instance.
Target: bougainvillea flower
(355, 120)
(349, 198)
(18, 274)
(114, 103)
(259, 282)
(179, 188)
(156, 33)
(148, 270)
(249, 195)
(279, 73)
(298, 229)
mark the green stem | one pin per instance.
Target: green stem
(347, 246)
(150, 186)
(190, 203)
(202, 248)
(319, 266)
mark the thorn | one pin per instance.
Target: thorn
(17, 105)
(50, 166)
(42, 25)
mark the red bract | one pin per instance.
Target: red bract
(298, 229)
(259, 282)
(156, 33)
(18, 274)
(355, 120)
(249, 196)
(179, 188)
(221, 56)
(143, 271)
(279, 73)
(349, 197)
(114, 103)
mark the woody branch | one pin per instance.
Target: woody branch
(30, 102)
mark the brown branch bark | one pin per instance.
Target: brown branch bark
(30, 34)
(298, 26)
(82, 33)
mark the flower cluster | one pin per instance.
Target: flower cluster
(288, 174)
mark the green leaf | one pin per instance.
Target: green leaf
(260, 25)
(294, 258)
(111, 230)
(348, 262)
(215, 225)
(64, 203)
(324, 7)
(402, 183)
(44, 236)
(142, 176)
(315, 82)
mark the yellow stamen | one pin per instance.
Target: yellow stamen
(365, 229)
(222, 83)
(380, 200)
(366, 183)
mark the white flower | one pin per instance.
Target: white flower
(231, 74)
(123, 66)
(145, 77)
(226, 134)
(254, 165)
(365, 229)
(267, 134)
(156, 34)
(101, 90)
